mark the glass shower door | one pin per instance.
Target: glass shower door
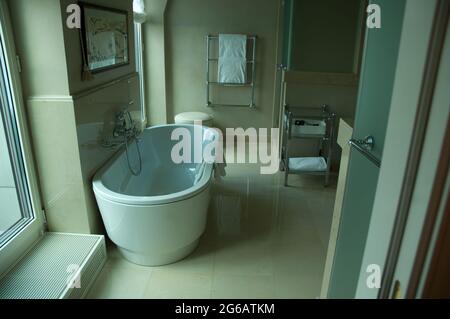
(376, 88)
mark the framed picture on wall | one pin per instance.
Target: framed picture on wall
(105, 37)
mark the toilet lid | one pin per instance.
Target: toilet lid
(193, 116)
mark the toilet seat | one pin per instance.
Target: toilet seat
(191, 117)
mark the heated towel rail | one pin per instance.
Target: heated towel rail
(215, 60)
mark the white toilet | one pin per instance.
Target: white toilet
(192, 117)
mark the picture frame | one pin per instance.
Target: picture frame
(105, 37)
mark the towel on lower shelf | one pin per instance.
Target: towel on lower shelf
(308, 164)
(232, 58)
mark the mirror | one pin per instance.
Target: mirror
(324, 36)
(105, 37)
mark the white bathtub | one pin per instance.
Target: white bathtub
(158, 217)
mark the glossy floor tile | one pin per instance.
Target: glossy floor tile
(263, 240)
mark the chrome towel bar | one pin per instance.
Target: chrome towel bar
(362, 147)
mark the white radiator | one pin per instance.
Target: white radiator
(59, 266)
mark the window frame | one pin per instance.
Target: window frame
(24, 234)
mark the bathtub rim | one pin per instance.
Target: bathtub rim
(101, 190)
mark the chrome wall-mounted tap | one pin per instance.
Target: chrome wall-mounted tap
(124, 130)
(125, 126)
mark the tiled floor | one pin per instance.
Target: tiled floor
(262, 241)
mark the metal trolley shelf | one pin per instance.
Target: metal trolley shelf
(325, 135)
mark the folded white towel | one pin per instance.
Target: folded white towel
(219, 171)
(308, 164)
(232, 58)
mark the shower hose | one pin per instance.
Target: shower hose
(139, 170)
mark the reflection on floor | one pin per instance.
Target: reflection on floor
(263, 240)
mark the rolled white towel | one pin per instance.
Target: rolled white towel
(199, 172)
(219, 170)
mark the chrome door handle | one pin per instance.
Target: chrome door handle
(281, 67)
(368, 143)
(365, 147)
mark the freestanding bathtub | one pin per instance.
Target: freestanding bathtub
(157, 217)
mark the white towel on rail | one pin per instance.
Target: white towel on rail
(232, 58)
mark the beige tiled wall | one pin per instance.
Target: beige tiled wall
(55, 143)
(155, 62)
(187, 23)
(67, 136)
(95, 117)
(73, 48)
(68, 117)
